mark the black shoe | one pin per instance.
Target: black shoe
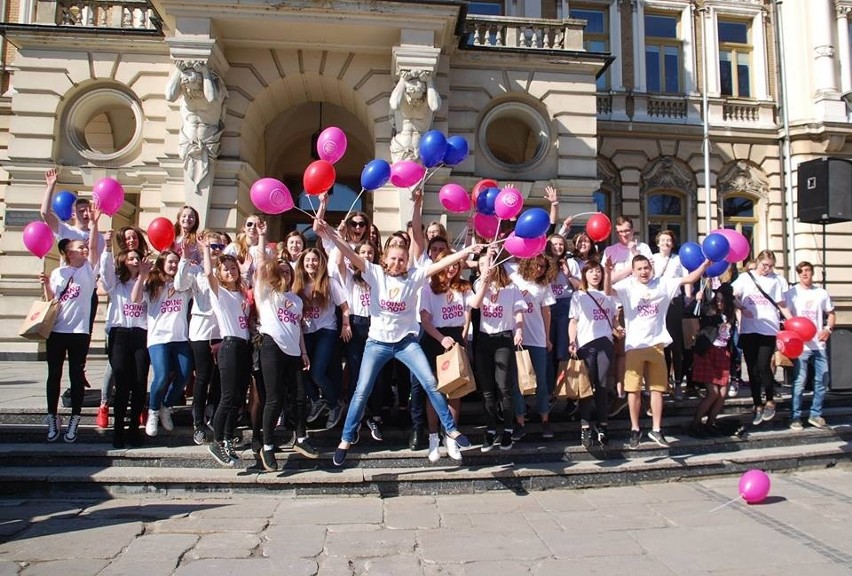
(714, 431)
(657, 436)
(318, 408)
(335, 414)
(237, 440)
(416, 440)
(134, 437)
(198, 435)
(118, 439)
(697, 431)
(219, 451)
(519, 432)
(231, 449)
(506, 441)
(586, 437)
(489, 441)
(635, 435)
(375, 429)
(339, 456)
(267, 458)
(305, 448)
(256, 445)
(603, 436)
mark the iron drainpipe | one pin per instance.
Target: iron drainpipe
(790, 252)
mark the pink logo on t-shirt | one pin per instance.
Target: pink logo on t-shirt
(287, 317)
(171, 305)
(492, 311)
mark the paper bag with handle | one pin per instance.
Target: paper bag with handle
(453, 369)
(526, 372)
(39, 321)
(572, 380)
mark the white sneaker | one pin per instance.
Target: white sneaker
(453, 450)
(166, 418)
(54, 427)
(71, 430)
(152, 423)
(434, 443)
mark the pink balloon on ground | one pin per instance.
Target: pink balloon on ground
(271, 196)
(509, 203)
(108, 194)
(406, 173)
(331, 144)
(486, 225)
(454, 198)
(754, 486)
(738, 246)
(525, 247)
(38, 238)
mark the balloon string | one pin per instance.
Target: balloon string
(504, 260)
(728, 503)
(311, 216)
(583, 214)
(459, 240)
(351, 206)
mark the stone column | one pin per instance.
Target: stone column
(842, 13)
(825, 83)
(639, 81)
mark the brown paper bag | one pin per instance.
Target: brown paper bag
(453, 370)
(572, 380)
(690, 330)
(782, 361)
(39, 321)
(526, 372)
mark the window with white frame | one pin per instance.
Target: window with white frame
(665, 212)
(595, 34)
(739, 214)
(735, 53)
(663, 53)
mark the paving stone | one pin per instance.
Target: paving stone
(305, 541)
(75, 567)
(229, 567)
(606, 566)
(225, 545)
(356, 510)
(117, 508)
(372, 544)
(562, 500)
(483, 568)
(822, 569)
(578, 542)
(411, 512)
(150, 567)
(74, 538)
(204, 526)
(8, 568)
(621, 495)
(400, 564)
(508, 540)
(152, 555)
(260, 507)
(37, 510)
(455, 521)
(670, 492)
(505, 502)
(611, 518)
(702, 512)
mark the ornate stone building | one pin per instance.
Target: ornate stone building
(189, 102)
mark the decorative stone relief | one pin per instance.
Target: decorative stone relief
(668, 173)
(413, 102)
(610, 179)
(742, 177)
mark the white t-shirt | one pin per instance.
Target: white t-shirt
(75, 302)
(280, 315)
(203, 325)
(645, 307)
(447, 309)
(621, 257)
(357, 296)
(247, 267)
(393, 305)
(536, 297)
(759, 315)
(667, 267)
(167, 315)
(561, 286)
(498, 308)
(317, 318)
(231, 310)
(812, 303)
(72, 233)
(592, 323)
(122, 311)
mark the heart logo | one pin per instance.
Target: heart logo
(393, 293)
(288, 304)
(445, 366)
(525, 293)
(34, 316)
(449, 297)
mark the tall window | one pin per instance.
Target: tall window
(665, 212)
(663, 54)
(734, 58)
(595, 35)
(486, 7)
(738, 214)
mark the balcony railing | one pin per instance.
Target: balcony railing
(527, 33)
(125, 14)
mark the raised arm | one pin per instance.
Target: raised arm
(695, 275)
(94, 236)
(322, 228)
(418, 239)
(608, 266)
(139, 286)
(259, 270)
(552, 196)
(107, 266)
(451, 259)
(208, 266)
(46, 210)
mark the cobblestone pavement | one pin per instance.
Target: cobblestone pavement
(655, 529)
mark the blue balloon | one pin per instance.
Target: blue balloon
(532, 223)
(716, 268)
(63, 204)
(433, 146)
(691, 256)
(715, 247)
(456, 150)
(375, 174)
(485, 201)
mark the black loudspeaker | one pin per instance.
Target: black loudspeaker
(840, 360)
(825, 191)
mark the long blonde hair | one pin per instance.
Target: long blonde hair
(320, 294)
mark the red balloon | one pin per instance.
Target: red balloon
(161, 233)
(482, 186)
(319, 177)
(801, 326)
(598, 227)
(789, 344)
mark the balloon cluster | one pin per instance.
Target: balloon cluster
(723, 247)
(791, 340)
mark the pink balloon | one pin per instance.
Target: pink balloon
(271, 196)
(331, 144)
(108, 195)
(754, 486)
(486, 225)
(739, 246)
(454, 198)
(406, 173)
(508, 203)
(525, 247)
(38, 238)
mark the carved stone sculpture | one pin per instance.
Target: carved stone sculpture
(414, 101)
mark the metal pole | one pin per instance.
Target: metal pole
(785, 145)
(824, 281)
(705, 112)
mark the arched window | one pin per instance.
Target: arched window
(738, 212)
(665, 211)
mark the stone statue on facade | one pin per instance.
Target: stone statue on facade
(202, 109)
(414, 101)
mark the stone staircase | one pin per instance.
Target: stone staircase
(171, 463)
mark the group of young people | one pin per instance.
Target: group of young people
(263, 329)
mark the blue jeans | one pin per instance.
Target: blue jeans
(172, 357)
(376, 355)
(321, 347)
(538, 356)
(819, 358)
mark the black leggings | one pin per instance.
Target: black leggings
(234, 368)
(129, 361)
(674, 326)
(207, 385)
(76, 346)
(598, 355)
(281, 373)
(758, 350)
(494, 360)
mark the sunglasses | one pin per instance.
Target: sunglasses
(251, 224)
(357, 223)
(217, 246)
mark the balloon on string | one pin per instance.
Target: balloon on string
(454, 198)
(331, 144)
(789, 343)
(375, 174)
(406, 173)
(716, 268)
(38, 238)
(691, 256)
(532, 223)
(801, 326)
(754, 486)
(508, 203)
(433, 146)
(63, 204)
(486, 225)
(456, 150)
(481, 186)
(108, 194)
(525, 247)
(738, 245)
(161, 233)
(485, 201)
(271, 196)
(319, 177)
(715, 247)
(598, 227)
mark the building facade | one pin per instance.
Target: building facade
(189, 102)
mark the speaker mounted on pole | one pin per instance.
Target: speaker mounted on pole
(825, 191)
